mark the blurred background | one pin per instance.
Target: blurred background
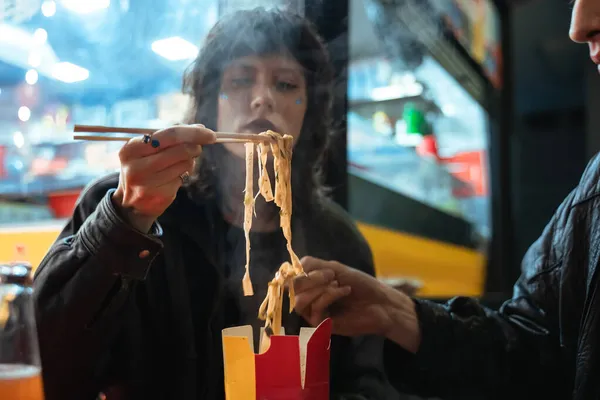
(460, 124)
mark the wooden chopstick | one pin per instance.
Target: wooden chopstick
(112, 129)
(104, 138)
(222, 137)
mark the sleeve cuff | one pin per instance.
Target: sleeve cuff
(120, 247)
(430, 316)
(406, 370)
(433, 318)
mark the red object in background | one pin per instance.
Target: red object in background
(428, 147)
(469, 167)
(42, 166)
(20, 250)
(2, 162)
(62, 204)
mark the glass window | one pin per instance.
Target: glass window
(93, 62)
(419, 87)
(417, 116)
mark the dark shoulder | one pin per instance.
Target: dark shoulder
(589, 184)
(342, 236)
(93, 193)
(573, 215)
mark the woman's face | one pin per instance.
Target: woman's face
(261, 93)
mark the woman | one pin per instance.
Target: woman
(133, 296)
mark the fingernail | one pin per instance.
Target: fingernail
(335, 284)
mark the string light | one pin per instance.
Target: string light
(34, 59)
(31, 77)
(18, 139)
(48, 8)
(24, 113)
(40, 36)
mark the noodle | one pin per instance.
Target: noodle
(282, 161)
(264, 182)
(281, 147)
(248, 209)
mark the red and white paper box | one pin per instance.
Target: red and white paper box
(292, 368)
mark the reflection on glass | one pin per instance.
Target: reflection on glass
(97, 62)
(412, 127)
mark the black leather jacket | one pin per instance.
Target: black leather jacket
(114, 308)
(541, 344)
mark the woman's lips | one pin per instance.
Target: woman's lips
(259, 126)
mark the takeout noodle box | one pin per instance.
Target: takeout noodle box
(292, 368)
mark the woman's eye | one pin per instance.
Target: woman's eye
(241, 82)
(285, 86)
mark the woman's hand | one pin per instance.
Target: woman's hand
(152, 170)
(357, 303)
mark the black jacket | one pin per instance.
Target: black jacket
(115, 315)
(541, 344)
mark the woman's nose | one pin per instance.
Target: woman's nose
(262, 97)
(585, 20)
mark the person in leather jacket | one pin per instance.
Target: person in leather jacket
(543, 343)
(132, 297)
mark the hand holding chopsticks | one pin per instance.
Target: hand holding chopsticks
(154, 165)
(221, 137)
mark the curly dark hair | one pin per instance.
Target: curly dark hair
(265, 32)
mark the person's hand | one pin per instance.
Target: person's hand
(153, 169)
(357, 303)
(354, 300)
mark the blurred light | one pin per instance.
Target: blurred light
(61, 116)
(449, 109)
(409, 78)
(48, 8)
(69, 73)
(31, 77)
(408, 140)
(175, 48)
(18, 139)
(40, 36)
(34, 59)
(124, 5)
(47, 120)
(85, 7)
(397, 91)
(24, 113)
(212, 15)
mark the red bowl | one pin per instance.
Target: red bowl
(62, 204)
